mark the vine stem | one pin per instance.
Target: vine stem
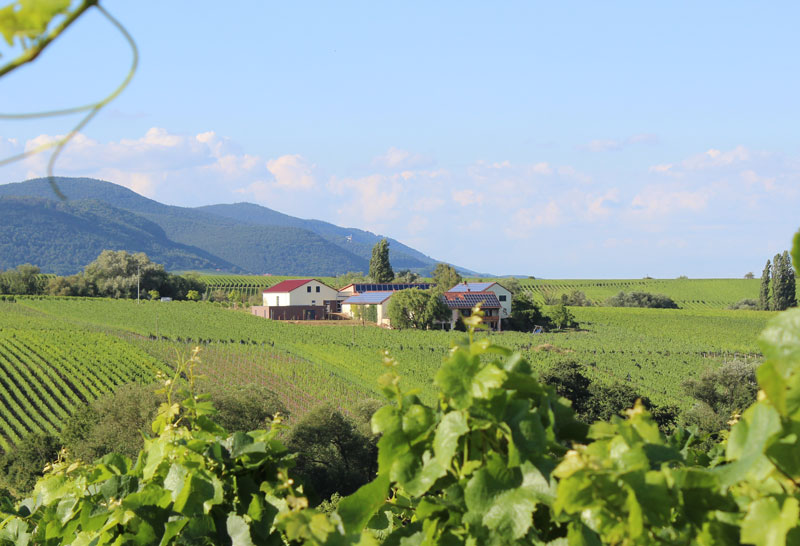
(93, 108)
(32, 53)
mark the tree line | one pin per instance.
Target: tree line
(114, 274)
(777, 291)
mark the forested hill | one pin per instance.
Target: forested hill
(231, 238)
(356, 241)
(63, 237)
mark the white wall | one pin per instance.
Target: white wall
(301, 295)
(498, 291)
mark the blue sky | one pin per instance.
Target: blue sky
(562, 140)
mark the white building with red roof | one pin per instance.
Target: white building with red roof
(307, 292)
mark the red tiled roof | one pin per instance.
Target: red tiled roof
(288, 286)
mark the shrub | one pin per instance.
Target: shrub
(747, 304)
(22, 467)
(641, 299)
(720, 394)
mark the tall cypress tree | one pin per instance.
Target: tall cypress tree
(380, 270)
(789, 295)
(777, 283)
(763, 294)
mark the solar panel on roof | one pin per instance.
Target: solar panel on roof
(467, 300)
(368, 298)
(388, 287)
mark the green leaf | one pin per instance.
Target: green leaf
(445, 441)
(796, 250)
(455, 377)
(767, 522)
(747, 443)
(357, 509)
(503, 499)
(779, 376)
(239, 531)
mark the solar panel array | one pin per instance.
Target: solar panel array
(471, 287)
(388, 287)
(468, 300)
(368, 298)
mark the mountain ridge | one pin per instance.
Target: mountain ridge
(236, 238)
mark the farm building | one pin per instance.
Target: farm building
(461, 304)
(503, 294)
(371, 306)
(298, 299)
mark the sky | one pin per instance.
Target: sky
(554, 139)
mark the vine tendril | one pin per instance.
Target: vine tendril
(92, 108)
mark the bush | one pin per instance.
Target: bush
(641, 299)
(23, 466)
(525, 314)
(746, 304)
(562, 318)
(117, 423)
(593, 401)
(720, 394)
(334, 455)
(576, 298)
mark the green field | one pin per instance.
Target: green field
(56, 353)
(687, 293)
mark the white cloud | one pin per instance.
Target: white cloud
(292, 171)
(661, 201)
(395, 158)
(467, 197)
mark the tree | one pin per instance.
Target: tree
(788, 294)
(334, 452)
(115, 273)
(749, 275)
(763, 294)
(406, 276)
(415, 308)
(193, 295)
(445, 276)
(563, 318)
(380, 270)
(720, 393)
(23, 279)
(525, 314)
(777, 283)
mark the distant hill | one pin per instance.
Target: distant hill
(63, 237)
(242, 237)
(355, 241)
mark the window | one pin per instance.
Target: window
(318, 289)
(308, 289)
(501, 297)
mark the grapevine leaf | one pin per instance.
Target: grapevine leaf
(503, 499)
(239, 531)
(767, 522)
(796, 250)
(747, 443)
(357, 509)
(779, 376)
